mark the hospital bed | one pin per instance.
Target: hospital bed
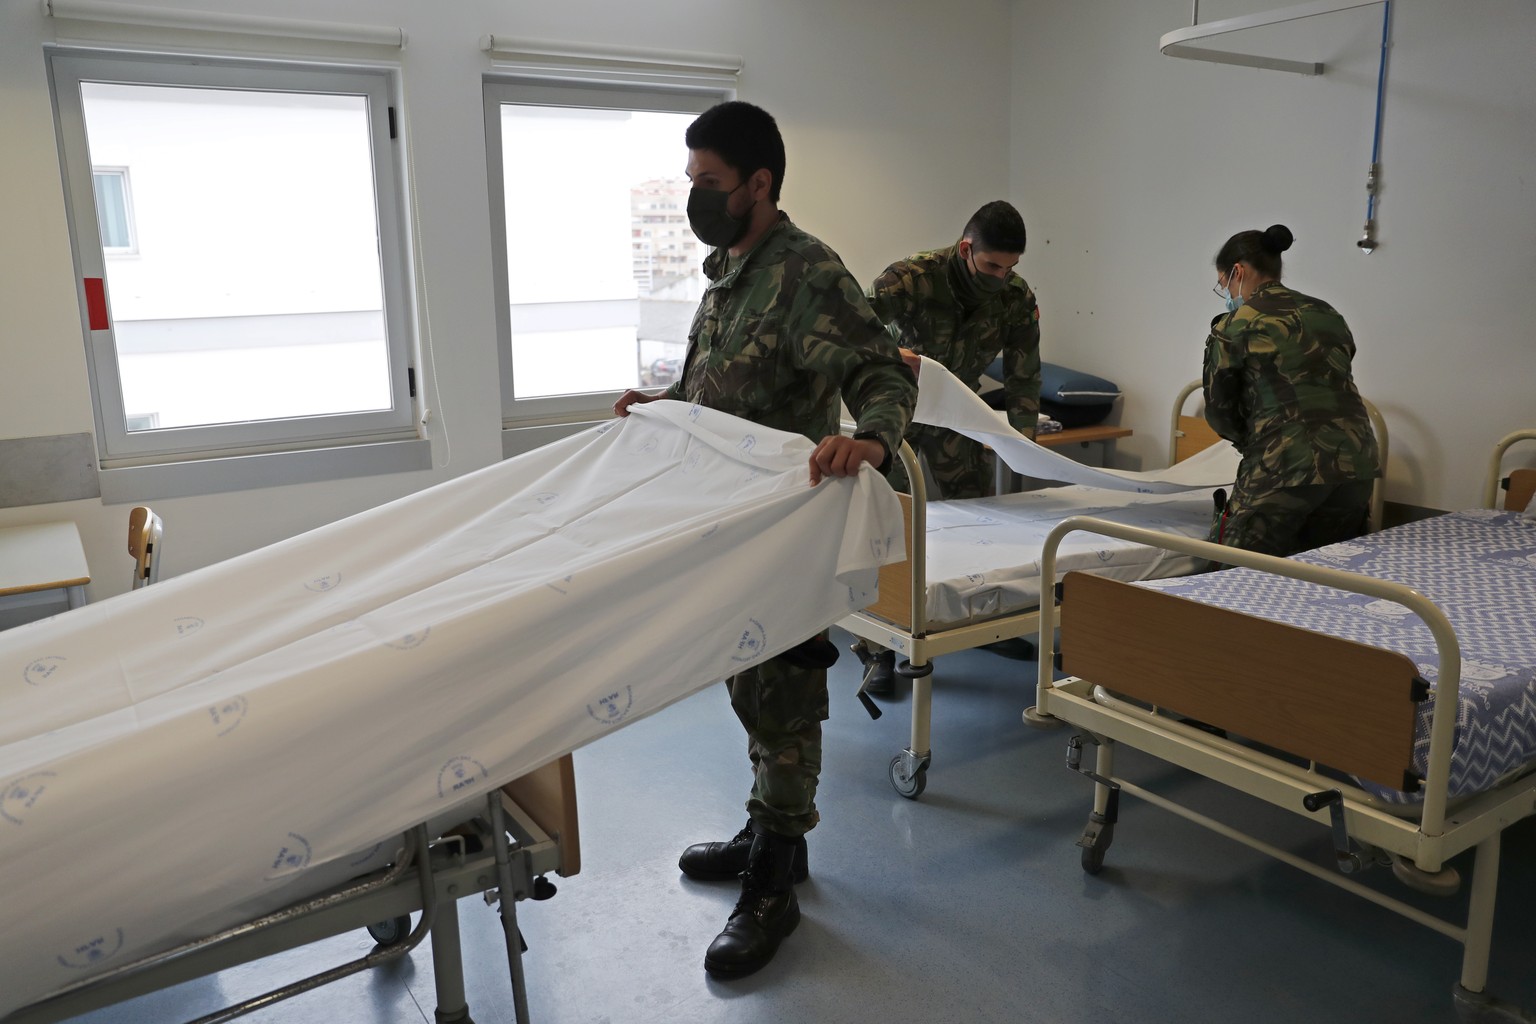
(502, 846)
(1384, 694)
(973, 573)
(188, 758)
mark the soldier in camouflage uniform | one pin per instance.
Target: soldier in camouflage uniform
(961, 306)
(1278, 385)
(781, 334)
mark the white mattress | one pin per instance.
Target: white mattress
(984, 553)
(179, 758)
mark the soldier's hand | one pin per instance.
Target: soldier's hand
(629, 398)
(913, 360)
(842, 456)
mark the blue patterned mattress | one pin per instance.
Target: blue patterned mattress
(1479, 567)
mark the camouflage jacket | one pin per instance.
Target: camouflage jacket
(1278, 385)
(783, 332)
(917, 299)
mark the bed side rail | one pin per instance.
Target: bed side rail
(1332, 701)
(1442, 730)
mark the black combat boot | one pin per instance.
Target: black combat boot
(881, 674)
(766, 912)
(722, 862)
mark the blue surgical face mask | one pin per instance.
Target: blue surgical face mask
(1229, 296)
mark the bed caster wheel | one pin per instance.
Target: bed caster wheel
(387, 933)
(1445, 882)
(1095, 842)
(543, 888)
(906, 780)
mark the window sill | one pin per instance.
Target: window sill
(518, 440)
(271, 469)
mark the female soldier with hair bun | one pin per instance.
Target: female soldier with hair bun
(1279, 386)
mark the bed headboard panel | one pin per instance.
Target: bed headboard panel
(1522, 486)
(1194, 436)
(1339, 703)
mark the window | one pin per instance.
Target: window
(265, 308)
(597, 271)
(114, 210)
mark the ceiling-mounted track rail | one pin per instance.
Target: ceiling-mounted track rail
(1177, 43)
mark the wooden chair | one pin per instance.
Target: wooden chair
(144, 530)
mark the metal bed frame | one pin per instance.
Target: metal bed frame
(1416, 842)
(899, 620)
(507, 864)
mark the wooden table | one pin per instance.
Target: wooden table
(46, 556)
(1083, 435)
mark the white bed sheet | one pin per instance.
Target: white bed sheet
(984, 553)
(943, 401)
(179, 758)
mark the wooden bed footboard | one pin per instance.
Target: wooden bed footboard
(895, 601)
(1342, 704)
(548, 794)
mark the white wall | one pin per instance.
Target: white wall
(1132, 168)
(894, 137)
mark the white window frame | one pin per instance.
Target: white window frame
(552, 89)
(206, 459)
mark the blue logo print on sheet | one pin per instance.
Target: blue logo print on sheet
(459, 773)
(752, 642)
(228, 714)
(292, 856)
(545, 498)
(41, 671)
(22, 795)
(613, 708)
(409, 640)
(88, 954)
(186, 625)
(320, 584)
(747, 444)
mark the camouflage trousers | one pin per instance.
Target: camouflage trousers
(961, 468)
(1285, 520)
(782, 706)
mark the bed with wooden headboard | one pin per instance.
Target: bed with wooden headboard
(1379, 686)
(977, 578)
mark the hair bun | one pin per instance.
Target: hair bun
(1278, 238)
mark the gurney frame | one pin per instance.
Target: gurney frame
(512, 854)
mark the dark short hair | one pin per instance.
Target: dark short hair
(996, 227)
(1259, 249)
(744, 136)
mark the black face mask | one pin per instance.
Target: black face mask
(710, 217)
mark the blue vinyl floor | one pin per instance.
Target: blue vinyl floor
(967, 905)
